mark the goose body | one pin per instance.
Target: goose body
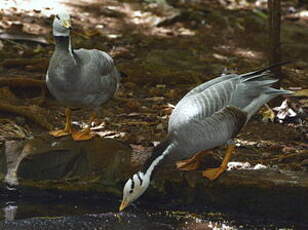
(210, 115)
(79, 78)
(213, 113)
(87, 78)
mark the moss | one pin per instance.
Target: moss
(88, 184)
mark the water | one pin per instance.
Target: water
(52, 211)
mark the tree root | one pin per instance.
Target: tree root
(21, 62)
(32, 112)
(24, 83)
(21, 82)
(287, 156)
(280, 157)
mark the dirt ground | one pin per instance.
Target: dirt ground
(165, 50)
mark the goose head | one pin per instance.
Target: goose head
(134, 188)
(61, 24)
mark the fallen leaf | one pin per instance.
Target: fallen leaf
(284, 111)
(259, 166)
(267, 114)
(238, 165)
(300, 93)
(133, 105)
(154, 99)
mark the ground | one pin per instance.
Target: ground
(165, 50)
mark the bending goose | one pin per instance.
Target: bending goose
(210, 115)
(79, 78)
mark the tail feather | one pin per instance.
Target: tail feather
(264, 75)
(266, 69)
(262, 83)
(267, 95)
(255, 89)
(273, 91)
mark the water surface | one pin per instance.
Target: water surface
(95, 212)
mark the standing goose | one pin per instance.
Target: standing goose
(210, 115)
(79, 78)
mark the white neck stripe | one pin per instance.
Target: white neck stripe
(158, 159)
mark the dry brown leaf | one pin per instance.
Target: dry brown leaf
(301, 93)
(133, 105)
(145, 123)
(155, 99)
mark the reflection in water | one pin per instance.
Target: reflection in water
(10, 210)
(89, 214)
(117, 221)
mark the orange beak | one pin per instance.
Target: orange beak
(123, 205)
(67, 24)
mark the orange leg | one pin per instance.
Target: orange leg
(68, 126)
(214, 173)
(192, 163)
(86, 133)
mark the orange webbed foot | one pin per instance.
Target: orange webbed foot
(60, 133)
(187, 165)
(213, 173)
(192, 163)
(83, 135)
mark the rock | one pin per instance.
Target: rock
(13, 159)
(46, 158)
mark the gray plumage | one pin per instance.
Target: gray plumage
(213, 113)
(79, 78)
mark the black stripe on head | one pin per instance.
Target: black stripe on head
(139, 177)
(132, 185)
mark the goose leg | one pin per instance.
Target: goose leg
(86, 133)
(214, 173)
(192, 163)
(68, 126)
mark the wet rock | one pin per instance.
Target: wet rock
(46, 158)
(13, 159)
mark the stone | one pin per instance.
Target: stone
(45, 158)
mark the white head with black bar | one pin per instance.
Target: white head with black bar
(139, 182)
(134, 188)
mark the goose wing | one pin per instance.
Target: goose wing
(247, 92)
(98, 74)
(199, 135)
(205, 85)
(200, 105)
(95, 62)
